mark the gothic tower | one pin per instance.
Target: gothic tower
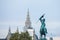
(17, 30)
(9, 34)
(28, 27)
(27, 22)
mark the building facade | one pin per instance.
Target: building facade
(27, 27)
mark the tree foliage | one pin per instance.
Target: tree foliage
(22, 36)
(14, 36)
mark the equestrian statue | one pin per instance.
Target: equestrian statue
(43, 30)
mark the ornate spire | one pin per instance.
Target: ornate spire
(17, 30)
(28, 22)
(9, 32)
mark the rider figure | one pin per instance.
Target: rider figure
(43, 30)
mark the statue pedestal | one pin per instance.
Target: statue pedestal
(43, 39)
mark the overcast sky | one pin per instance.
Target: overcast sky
(13, 13)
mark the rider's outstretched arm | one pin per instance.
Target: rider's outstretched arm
(41, 17)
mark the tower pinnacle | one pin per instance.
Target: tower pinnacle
(27, 22)
(9, 30)
(9, 33)
(17, 30)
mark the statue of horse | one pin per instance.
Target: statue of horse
(43, 30)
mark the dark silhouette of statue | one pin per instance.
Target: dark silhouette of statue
(43, 30)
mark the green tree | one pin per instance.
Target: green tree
(14, 36)
(22, 36)
(25, 36)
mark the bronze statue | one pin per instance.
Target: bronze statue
(43, 30)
